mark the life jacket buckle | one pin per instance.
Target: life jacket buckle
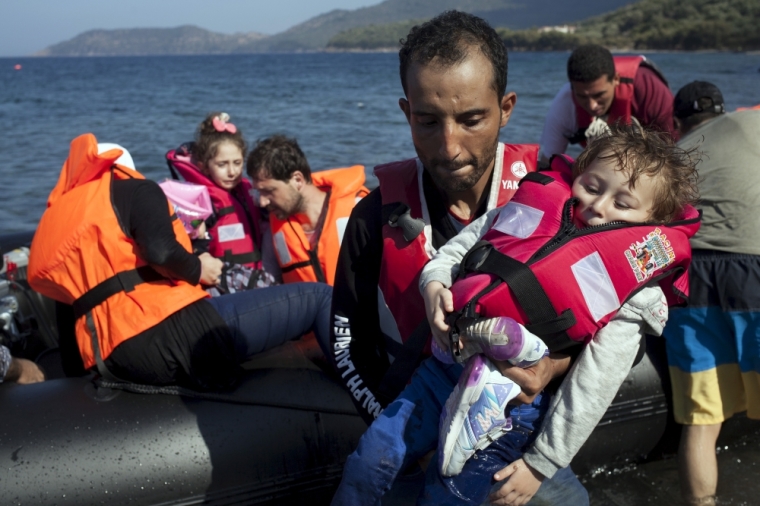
(410, 227)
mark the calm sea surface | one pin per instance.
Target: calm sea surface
(341, 107)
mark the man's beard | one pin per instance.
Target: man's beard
(294, 206)
(449, 183)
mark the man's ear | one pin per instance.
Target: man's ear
(507, 106)
(404, 105)
(616, 79)
(298, 179)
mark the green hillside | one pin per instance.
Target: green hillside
(648, 24)
(317, 32)
(373, 36)
(679, 24)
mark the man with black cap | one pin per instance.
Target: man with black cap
(714, 344)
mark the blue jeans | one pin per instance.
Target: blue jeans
(408, 429)
(262, 319)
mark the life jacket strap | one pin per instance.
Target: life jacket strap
(241, 258)
(312, 262)
(543, 319)
(124, 281)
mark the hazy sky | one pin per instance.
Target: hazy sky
(27, 26)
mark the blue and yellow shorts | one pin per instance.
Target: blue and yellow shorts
(714, 343)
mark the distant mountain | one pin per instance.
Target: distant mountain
(516, 14)
(647, 24)
(314, 34)
(151, 41)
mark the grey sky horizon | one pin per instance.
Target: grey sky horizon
(28, 26)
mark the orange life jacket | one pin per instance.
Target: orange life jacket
(80, 252)
(293, 250)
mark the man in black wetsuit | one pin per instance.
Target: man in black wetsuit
(453, 70)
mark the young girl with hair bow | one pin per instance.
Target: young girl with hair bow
(216, 160)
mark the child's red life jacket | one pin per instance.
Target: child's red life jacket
(234, 226)
(564, 283)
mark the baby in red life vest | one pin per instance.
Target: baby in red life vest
(623, 225)
(215, 160)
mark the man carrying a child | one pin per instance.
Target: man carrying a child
(455, 115)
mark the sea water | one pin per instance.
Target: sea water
(342, 107)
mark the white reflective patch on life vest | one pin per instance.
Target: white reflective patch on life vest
(340, 225)
(518, 220)
(231, 232)
(595, 284)
(281, 248)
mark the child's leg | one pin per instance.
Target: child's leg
(502, 338)
(474, 414)
(404, 432)
(473, 484)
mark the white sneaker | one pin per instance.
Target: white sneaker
(474, 415)
(502, 338)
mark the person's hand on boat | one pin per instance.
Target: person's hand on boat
(24, 372)
(438, 303)
(211, 269)
(532, 380)
(522, 484)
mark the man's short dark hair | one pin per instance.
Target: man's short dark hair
(446, 38)
(277, 157)
(590, 62)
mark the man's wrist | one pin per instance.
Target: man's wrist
(560, 364)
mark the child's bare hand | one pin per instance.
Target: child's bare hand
(438, 303)
(522, 485)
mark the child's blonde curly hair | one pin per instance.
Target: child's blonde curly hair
(638, 151)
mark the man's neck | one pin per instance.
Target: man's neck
(465, 204)
(313, 203)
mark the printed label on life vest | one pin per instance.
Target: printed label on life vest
(519, 169)
(509, 184)
(649, 255)
(231, 232)
(518, 220)
(596, 286)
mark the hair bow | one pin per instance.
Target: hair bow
(222, 123)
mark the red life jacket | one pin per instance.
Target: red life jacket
(403, 259)
(565, 283)
(234, 226)
(620, 109)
